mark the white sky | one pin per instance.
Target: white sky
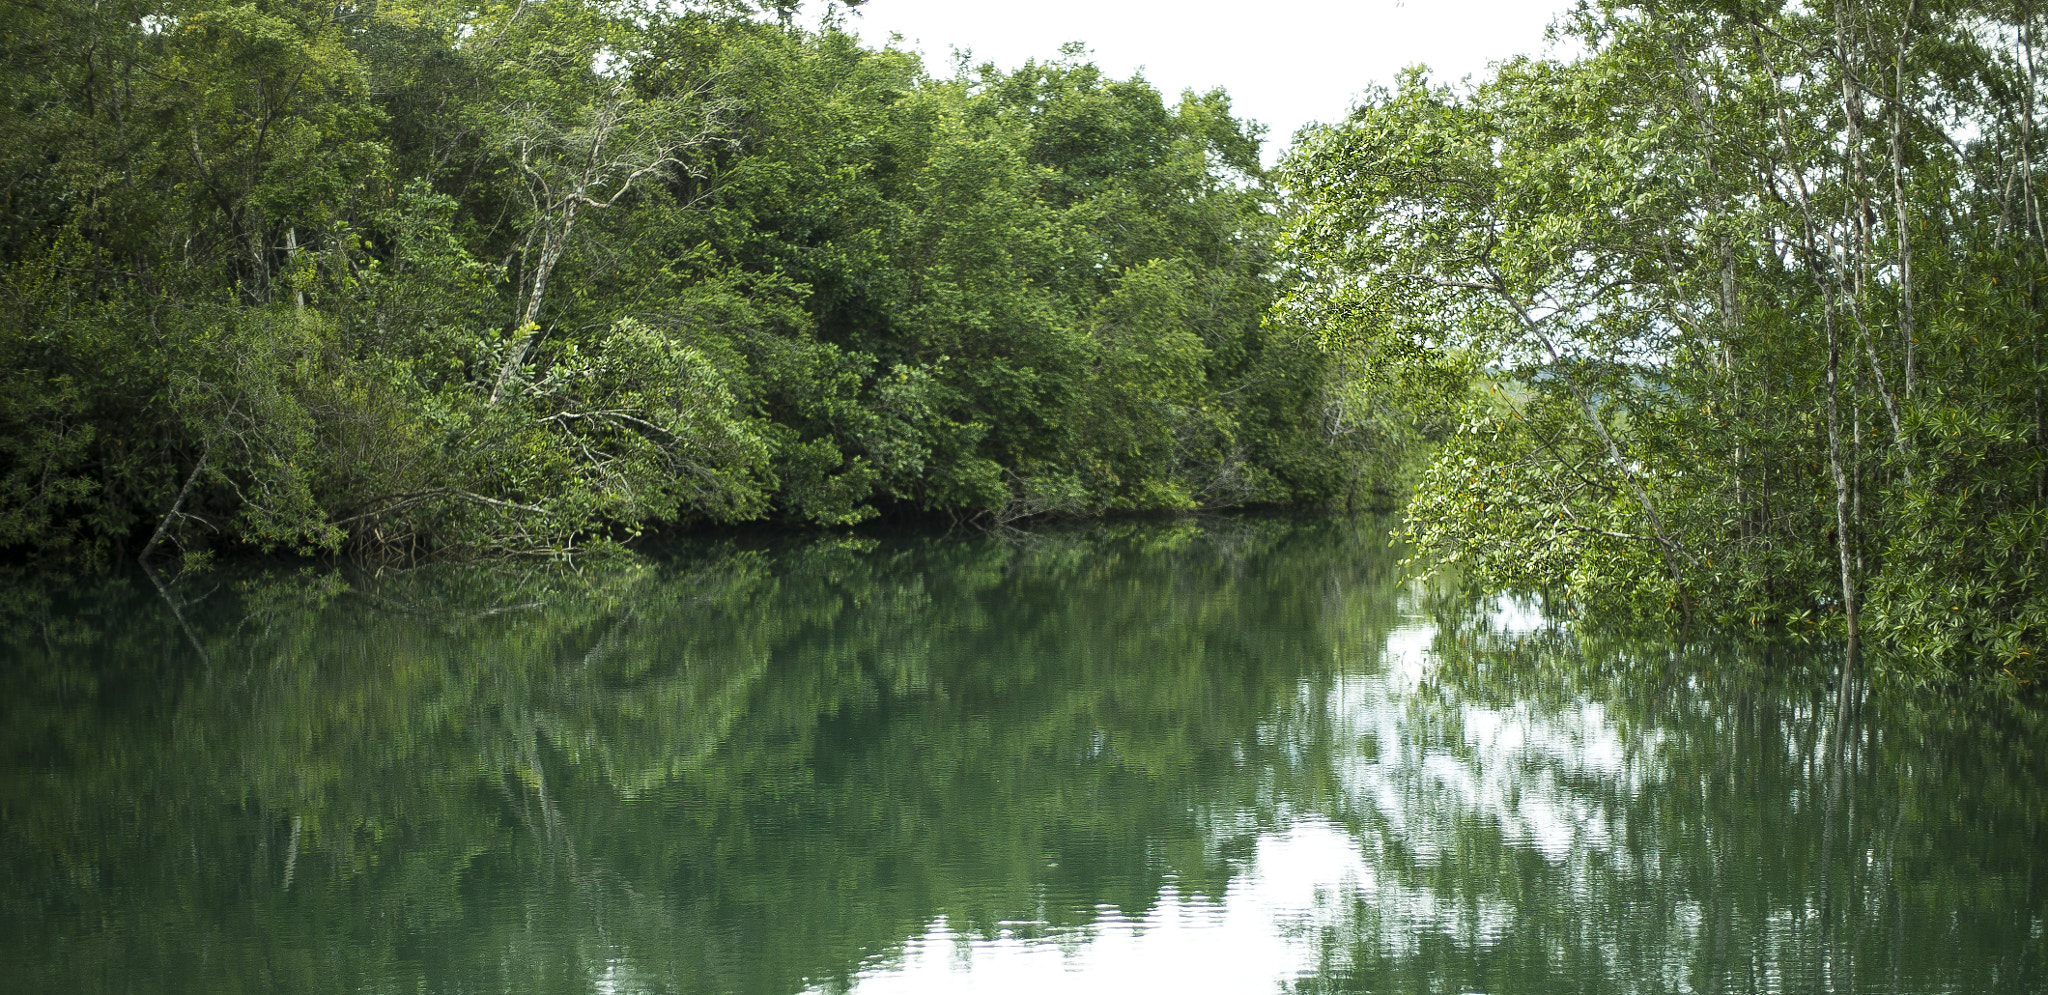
(1285, 62)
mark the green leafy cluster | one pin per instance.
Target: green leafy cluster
(1732, 316)
(504, 277)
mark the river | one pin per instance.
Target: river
(1219, 755)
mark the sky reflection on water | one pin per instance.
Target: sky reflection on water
(1231, 756)
(1247, 942)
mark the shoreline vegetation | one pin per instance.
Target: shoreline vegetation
(519, 279)
(1729, 319)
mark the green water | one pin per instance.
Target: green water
(1235, 756)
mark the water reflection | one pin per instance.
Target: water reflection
(1242, 941)
(1677, 819)
(1218, 757)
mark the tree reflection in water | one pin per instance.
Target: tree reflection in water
(1548, 813)
(784, 765)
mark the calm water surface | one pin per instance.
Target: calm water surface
(1236, 756)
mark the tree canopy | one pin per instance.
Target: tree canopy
(1732, 318)
(1728, 317)
(469, 275)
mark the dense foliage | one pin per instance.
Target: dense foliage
(471, 275)
(1731, 316)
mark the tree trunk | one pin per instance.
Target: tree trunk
(291, 248)
(529, 325)
(1907, 331)
(1843, 536)
(163, 527)
(1864, 251)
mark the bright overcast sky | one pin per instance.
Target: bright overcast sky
(1285, 62)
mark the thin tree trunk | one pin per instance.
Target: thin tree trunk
(2032, 203)
(291, 248)
(1728, 302)
(1811, 253)
(1859, 206)
(2005, 204)
(177, 506)
(1856, 470)
(1908, 332)
(259, 265)
(1730, 327)
(1891, 407)
(1843, 541)
(529, 324)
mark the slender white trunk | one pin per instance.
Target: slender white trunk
(529, 323)
(291, 248)
(1824, 278)
(1907, 331)
(1864, 249)
(1844, 543)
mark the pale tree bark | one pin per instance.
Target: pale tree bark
(2026, 173)
(177, 509)
(2026, 157)
(1727, 301)
(1864, 250)
(291, 248)
(1908, 332)
(1844, 541)
(1825, 278)
(611, 155)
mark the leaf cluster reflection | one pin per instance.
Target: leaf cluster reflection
(765, 765)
